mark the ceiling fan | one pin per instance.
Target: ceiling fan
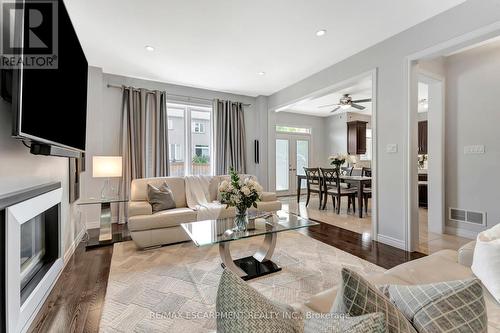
(346, 102)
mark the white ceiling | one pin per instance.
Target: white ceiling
(223, 44)
(312, 105)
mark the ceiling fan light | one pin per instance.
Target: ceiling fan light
(321, 32)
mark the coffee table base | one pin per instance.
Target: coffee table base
(254, 268)
(251, 267)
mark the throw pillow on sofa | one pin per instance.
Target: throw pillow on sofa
(372, 323)
(486, 260)
(160, 198)
(358, 297)
(454, 306)
(240, 309)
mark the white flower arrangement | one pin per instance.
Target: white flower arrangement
(339, 159)
(239, 193)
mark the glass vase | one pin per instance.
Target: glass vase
(241, 219)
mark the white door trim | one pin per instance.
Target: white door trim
(447, 47)
(292, 158)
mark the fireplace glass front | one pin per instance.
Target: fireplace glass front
(38, 250)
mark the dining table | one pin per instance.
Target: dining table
(359, 181)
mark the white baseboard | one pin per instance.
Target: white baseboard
(71, 249)
(461, 232)
(391, 241)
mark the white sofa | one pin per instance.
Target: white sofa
(148, 229)
(445, 265)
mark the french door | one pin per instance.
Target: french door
(292, 155)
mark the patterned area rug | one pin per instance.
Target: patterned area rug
(173, 288)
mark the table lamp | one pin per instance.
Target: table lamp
(106, 167)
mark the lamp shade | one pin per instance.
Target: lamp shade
(106, 166)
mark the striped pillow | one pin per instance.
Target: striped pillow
(372, 323)
(454, 306)
(358, 297)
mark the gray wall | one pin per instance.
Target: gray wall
(336, 131)
(19, 169)
(473, 117)
(390, 58)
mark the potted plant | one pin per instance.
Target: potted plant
(241, 194)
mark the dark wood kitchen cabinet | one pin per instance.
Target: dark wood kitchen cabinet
(356, 137)
(422, 137)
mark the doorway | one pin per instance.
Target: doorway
(292, 156)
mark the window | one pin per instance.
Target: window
(368, 155)
(291, 129)
(176, 139)
(202, 151)
(198, 127)
(190, 139)
(175, 153)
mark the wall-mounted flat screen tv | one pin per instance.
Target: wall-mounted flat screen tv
(50, 103)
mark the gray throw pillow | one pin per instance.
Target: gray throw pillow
(242, 309)
(373, 323)
(160, 198)
(454, 306)
(358, 297)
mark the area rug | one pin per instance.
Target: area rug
(173, 288)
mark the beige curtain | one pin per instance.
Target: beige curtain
(144, 144)
(230, 142)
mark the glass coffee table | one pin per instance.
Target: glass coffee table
(222, 232)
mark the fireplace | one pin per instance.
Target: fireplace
(39, 239)
(32, 251)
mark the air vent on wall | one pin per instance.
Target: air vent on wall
(462, 215)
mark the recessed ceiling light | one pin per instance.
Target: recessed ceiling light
(261, 73)
(149, 48)
(321, 32)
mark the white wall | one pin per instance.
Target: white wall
(103, 129)
(19, 169)
(336, 131)
(473, 117)
(336, 134)
(390, 58)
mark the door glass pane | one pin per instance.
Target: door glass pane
(302, 158)
(282, 165)
(176, 140)
(200, 143)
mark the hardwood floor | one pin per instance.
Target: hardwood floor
(363, 247)
(429, 242)
(75, 304)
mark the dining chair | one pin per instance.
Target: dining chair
(367, 190)
(313, 182)
(332, 187)
(356, 172)
(346, 170)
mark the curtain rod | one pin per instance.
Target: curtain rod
(173, 95)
